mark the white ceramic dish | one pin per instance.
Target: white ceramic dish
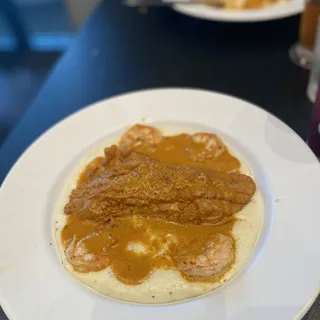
(282, 278)
(282, 10)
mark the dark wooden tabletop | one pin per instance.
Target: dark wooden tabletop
(120, 50)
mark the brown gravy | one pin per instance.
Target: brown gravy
(183, 150)
(111, 242)
(132, 268)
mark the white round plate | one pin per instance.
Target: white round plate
(281, 280)
(282, 10)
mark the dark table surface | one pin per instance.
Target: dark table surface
(120, 50)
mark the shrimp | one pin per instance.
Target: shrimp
(81, 260)
(212, 263)
(139, 135)
(213, 147)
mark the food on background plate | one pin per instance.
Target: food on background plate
(240, 4)
(159, 218)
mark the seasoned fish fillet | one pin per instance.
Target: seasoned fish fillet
(136, 185)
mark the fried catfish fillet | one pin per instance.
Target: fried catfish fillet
(131, 184)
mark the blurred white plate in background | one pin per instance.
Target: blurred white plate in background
(278, 11)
